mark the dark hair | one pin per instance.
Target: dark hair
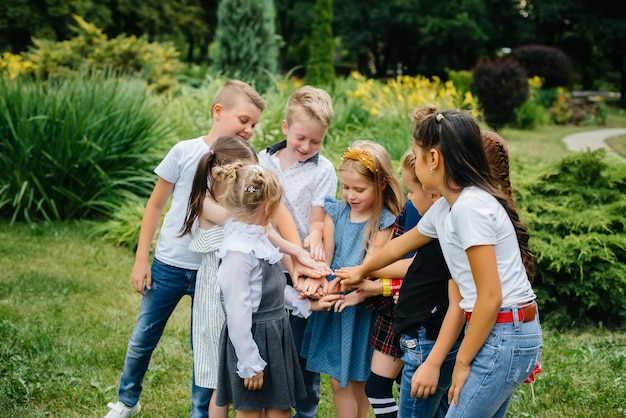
(225, 150)
(457, 136)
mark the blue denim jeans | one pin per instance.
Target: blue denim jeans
(414, 353)
(169, 285)
(307, 407)
(505, 360)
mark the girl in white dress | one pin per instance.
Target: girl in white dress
(206, 211)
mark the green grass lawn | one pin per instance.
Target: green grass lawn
(67, 310)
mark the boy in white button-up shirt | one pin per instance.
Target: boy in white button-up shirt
(307, 177)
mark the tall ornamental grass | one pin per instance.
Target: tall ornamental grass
(75, 148)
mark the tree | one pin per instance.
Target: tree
(246, 42)
(293, 21)
(320, 69)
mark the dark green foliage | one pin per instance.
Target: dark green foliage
(531, 115)
(547, 62)
(75, 148)
(501, 86)
(574, 211)
(246, 41)
(91, 50)
(320, 70)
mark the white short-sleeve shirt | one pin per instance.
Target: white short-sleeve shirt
(477, 218)
(179, 167)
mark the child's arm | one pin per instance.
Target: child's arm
(315, 241)
(482, 260)
(239, 309)
(426, 377)
(313, 286)
(392, 251)
(212, 213)
(149, 223)
(396, 269)
(308, 266)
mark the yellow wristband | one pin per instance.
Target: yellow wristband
(386, 286)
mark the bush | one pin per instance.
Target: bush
(531, 115)
(462, 80)
(75, 148)
(574, 210)
(549, 63)
(501, 86)
(91, 51)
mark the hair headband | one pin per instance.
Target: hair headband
(361, 155)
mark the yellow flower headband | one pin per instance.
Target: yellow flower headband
(361, 155)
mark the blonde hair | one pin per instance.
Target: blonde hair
(247, 188)
(386, 184)
(407, 162)
(231, 94)
(225, 150)
(309, 103)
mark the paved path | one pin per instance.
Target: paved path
(593, 140)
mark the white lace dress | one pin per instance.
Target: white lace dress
(208, 313)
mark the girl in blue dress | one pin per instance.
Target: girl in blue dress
(336, 342)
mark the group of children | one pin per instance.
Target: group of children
(289, 282)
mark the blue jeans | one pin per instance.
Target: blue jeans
(414, 353)
(305, 408)
(169, 285)
(505, 360)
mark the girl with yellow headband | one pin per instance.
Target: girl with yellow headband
(336, 342)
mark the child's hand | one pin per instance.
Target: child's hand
(309, 267)
(350, 299)
(424, 381)
(312, 287)
(315, 245)
(349, 276)
(140, 276)
(370, 288)
(325, 302)
(334, 286)
(255, 382)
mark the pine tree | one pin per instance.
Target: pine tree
(320, 70)
(246, 41)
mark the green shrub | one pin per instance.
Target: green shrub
(501, 86)
(91, 51)
(574, 210)
(75, 148)
(531, 115)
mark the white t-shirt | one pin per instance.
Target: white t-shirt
(179, 167)
(306, 183)
(477, 218)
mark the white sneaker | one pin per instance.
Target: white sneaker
(119, 410)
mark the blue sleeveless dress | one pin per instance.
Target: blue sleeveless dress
(337, 343)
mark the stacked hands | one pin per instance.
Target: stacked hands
(335, 294)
